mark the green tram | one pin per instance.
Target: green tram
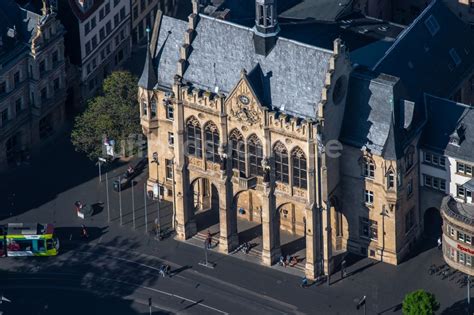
(28, 239)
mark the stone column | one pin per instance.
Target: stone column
(270, 218)
(228, 239)
(185, 226)
(312, 213)
(270, 227)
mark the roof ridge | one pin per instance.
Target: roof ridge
(427, 95)
(279, 37)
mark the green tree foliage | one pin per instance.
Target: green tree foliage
(419, 302)
(114, 114)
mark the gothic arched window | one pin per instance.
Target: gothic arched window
(298, 160)
(238, 151)
(193, 130)
(368, 168)
(212, 142)
(255, 151)
(281, 162)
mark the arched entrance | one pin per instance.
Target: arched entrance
(205, 203)
(292, 231)
(248, 207)
(432, 224)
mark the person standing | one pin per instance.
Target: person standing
(209, 240)
(84, 233)
(304, 282)
(439, 242)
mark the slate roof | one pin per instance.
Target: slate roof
(170, 39)
(24, 21)
(377, 116)
(422, 60)
(444, 117)
(321, 10)
(369, 111)
(292, 71)
(148, 78)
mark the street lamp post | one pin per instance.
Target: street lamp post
(468, 292)
(158, 219)
(173, 223)
(99, 163)
(120, 198)
(133, 204)
(383, 214)
(146, 215)
(107, 194)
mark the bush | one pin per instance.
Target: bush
(419, 302)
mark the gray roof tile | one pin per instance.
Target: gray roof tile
(170, 39)
(293, 73)
(369, 111)
(444, 117)
(422, 61)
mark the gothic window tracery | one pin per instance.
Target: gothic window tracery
(255, 151)
(212, 142)
(194, 137)
(238, 151)
(281, 162)
(298, 160)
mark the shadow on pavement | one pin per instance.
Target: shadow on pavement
(250, 234)
(458, 308)
(57, 168)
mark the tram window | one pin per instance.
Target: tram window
(40, 245)
(19, 245)
(49, 244)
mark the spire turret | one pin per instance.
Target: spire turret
(266, 26)
(148, 78)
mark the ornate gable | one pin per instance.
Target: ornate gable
(243, 105)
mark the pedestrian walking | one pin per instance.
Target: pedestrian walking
(304, 282)
(209, 240)
(439, 243)
(162, 271)
(282, 261)
(84, 233)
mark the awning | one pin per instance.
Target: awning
(469, 185)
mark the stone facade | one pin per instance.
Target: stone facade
(33, 85)
(226, 138)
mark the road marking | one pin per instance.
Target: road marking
(92, 278)
(233, 286)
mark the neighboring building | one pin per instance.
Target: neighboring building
(143, 16)
(379, 168)
(97, 38)
(462, 8)
(448, 166)
(32, 79)
(428, 41)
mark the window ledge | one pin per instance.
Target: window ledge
(434, 166)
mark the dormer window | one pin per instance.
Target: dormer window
(457, 136)
(144, 108)
(432, 25)
(390, 180)
(455, 57)
(153, 108)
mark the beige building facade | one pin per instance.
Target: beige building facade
(283, 134)
(32, 82)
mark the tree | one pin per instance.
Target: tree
(114, 114)
(419, 302)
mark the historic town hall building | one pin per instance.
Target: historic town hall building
(247, 124)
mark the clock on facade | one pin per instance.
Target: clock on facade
(244, 99)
